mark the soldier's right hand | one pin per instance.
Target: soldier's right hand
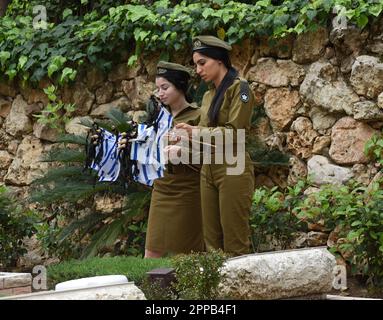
(121, 144)
(95, 138)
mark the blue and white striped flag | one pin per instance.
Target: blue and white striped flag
(147, 150)
(109, 166)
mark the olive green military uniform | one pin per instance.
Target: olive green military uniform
(226, 199)
(175, 219)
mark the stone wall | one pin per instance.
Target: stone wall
(15, 283)
(23, 141)
(322, 94)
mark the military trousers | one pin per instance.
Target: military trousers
(226, 203)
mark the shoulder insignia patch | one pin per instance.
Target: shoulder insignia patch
(244, 97)
(244, 93)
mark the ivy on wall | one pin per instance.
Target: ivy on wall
(76, 35)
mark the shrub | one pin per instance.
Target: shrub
(357, 213)
(76, 227)
(364, 223)
(156, 290)
(271, 215)
(198, 274)
(15, 224)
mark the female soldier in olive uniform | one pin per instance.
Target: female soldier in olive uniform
(225, 199)
(175, 220)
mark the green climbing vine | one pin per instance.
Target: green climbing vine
(76, 34)
(56, 113)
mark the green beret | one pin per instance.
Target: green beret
(163, 67)
(202, 42)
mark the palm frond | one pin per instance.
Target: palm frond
(136, 203)
(84, 224)
(65, 155)
(72, 138)
(86, 122)
(69, 192)
(120, 120)
(106, 236)
(69, 184)
(64, 173)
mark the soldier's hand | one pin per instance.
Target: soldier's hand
(172, 152)
(121, 144)
(173, 137)
(186, 128)
(95, 139)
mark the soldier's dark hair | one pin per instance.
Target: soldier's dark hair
(217, 54)
(222, 55)
(216, 103)
(179, 79)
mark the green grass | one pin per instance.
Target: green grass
(133, 268)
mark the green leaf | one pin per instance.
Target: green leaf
(300, 27)
(311, 14)
(165, 34)
(379, 142)
(50, 92)
(66, 13)
(92, 49)
(356, 223)
(56, 63)
(132, 60)
(376, 10)
(226, 16)
(263, 3)
(140, 34)
(136, 12)
(373, 235)
(38, 74)
(362, 21)
(257, 196)
(173, 36)
(22, 61)
(11, 73)
(162, 4)
(207, 12)
(67, 74)
(352, 235)
(327, 4)
(4, 56)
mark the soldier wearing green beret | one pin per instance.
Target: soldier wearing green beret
(225, 199)
(175, 219)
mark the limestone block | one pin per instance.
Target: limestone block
(277, 275)
(324, 172)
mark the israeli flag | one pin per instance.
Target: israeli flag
(147, 149)
(109, 166)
